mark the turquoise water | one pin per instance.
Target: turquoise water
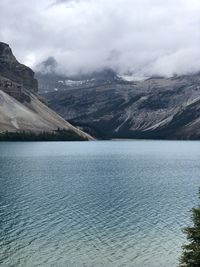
(117, 203)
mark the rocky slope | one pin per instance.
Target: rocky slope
(20, 107)
(156, 108)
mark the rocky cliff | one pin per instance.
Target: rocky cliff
(20, 107)
(10, 68)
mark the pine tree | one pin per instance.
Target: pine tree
(191, 251)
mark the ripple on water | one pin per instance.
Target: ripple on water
(96, 204)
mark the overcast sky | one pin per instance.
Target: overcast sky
(145, 37)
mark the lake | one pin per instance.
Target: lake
(93, 204)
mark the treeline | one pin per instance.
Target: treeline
(58, 135)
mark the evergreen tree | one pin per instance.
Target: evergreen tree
(191, 251)
(58, 135)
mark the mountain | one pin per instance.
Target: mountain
(50, 80)
(11, 69)
(154, 108)
(20, 107)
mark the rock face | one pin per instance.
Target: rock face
(10, 68)
(20, 107)
(156, 108)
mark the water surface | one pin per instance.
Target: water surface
(92, 204)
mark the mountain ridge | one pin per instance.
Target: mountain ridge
(20, 107)
(154, 108)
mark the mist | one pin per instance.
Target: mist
(141, 37)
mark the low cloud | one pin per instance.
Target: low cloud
(144, 37)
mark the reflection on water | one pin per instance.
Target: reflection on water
(96, 203)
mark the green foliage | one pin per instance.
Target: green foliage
(191, 251)
(58, 135)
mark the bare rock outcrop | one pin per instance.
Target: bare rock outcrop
(10, 68)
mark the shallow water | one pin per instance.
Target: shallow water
(117, 203)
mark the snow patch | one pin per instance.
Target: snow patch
(131, 78)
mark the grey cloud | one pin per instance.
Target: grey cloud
(145, 37)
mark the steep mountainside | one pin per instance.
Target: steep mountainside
(156, 108)
(20, 108)
(10, 68)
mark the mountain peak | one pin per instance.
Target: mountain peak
(11, 69)
(47, 66)
(6, 54)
